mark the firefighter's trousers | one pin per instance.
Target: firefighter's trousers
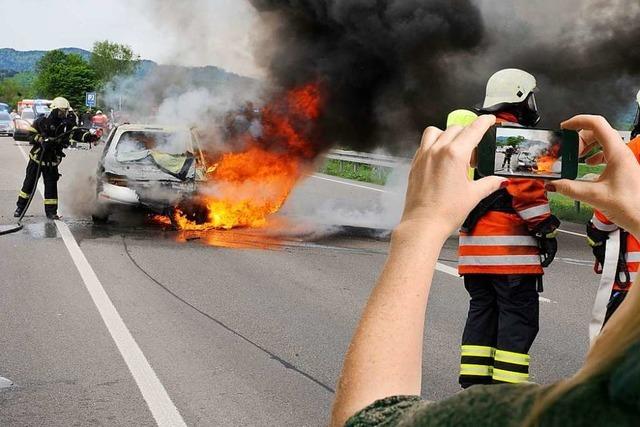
(50, 177)
(501, 327)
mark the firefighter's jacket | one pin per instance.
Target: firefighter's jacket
(45, 132)
(602, 223)
(503, 241)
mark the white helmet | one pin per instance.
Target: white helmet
(512, 90)
(98, 112)
(509, 86)
(60, 103)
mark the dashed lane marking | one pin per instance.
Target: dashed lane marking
(453, 272)
(160, 404)
(572, 233)
(350, 184)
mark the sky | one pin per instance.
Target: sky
(168, 32)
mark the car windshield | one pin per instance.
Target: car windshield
(27, 115)
(4, 117)
(175, 143)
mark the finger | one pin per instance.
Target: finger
(606, 136)
(448, 135)
(485, 186)
(471, 135)
(429, 137)
(597, 159)
(578, 190)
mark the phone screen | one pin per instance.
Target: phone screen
(528, 152)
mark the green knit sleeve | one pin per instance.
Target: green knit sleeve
(383, 412)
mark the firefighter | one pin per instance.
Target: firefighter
(507, 157)
(47, 152)
(622, 254)
(504, 244)
(636, 125)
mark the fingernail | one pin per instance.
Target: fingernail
(550, 187)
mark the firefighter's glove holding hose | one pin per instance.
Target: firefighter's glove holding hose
(548, 245)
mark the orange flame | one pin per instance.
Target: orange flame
(248, 186)
(545, 163)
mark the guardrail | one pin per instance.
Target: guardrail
(372, 159)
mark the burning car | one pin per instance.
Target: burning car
(153, 167)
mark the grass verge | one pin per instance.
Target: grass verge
(357, 172)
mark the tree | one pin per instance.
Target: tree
(65, 75)
(112, 59)
(514, 141)
(16, 88)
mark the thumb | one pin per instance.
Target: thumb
(485, 186)
(578, 190)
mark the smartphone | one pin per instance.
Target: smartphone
(521, 152)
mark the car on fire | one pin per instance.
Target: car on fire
(147, 166)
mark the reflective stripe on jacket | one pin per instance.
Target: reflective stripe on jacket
(500, 243)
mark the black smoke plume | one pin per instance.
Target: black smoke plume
(379, 63)
(388, 68)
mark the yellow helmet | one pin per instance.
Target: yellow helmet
(60, 103)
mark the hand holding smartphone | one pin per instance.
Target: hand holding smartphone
(520, 152)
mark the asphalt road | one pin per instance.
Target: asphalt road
(130, 324)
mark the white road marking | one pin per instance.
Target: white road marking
(348, 183)
(572, 233)
(5, 382)
(454, 272)
(448, 270)
(162, 408)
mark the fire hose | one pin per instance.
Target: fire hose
(18, 226)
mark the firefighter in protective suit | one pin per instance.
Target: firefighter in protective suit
(600, 232)
(504, 244)
(49, 136)
(636, 125)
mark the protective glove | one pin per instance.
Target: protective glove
(597, 239)
(548, 245)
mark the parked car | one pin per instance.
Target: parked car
(21, 130)
(23, 124)
(153, 167)
(6, 124)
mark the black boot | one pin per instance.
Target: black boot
(18, 212)
(53, 216)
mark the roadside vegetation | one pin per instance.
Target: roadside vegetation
(69, 74)
(357, 172)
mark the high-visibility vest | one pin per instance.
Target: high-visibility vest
(602, 223)
(502, 242)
